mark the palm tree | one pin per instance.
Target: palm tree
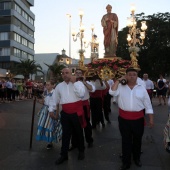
(26, 67)
(56, 71)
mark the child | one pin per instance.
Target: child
(49, 126)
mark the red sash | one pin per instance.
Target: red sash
(131, 115)
(96, 94)
(76, 107)
(87, 105)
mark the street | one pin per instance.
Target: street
(15, 154)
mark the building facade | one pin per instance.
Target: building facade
(16, 32)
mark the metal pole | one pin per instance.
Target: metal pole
(32, 122)
(70, 36)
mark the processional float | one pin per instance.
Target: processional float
(111, 66)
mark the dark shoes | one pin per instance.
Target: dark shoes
(81, 156)
(124, 167)
(61, 159)
(90, 145)
(138, 163)
(72, 148)
(49, 146)
(109, 122)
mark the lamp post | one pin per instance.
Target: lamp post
(83, 43)
(69, 17)
(80, 35)
(135, 37)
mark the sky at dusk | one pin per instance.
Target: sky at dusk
(52, 24)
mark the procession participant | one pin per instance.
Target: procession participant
(69, 94)
(89, 87)
(106, 102)
(49, 127)
(96, 102)
(132, 100)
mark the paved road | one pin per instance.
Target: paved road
(15, 125)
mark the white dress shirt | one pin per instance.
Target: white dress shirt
(149, 84)
(68, 93)
(87, 96)
(135, 99)
(98, 86)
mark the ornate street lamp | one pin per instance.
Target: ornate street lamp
(83, 43)
(133, 37)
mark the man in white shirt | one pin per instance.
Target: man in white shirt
(132, 100)
(149, 85)
(89, 87)
(69, 94)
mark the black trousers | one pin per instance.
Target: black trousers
(9, 93)
(106, 106)
(70, 122)
(87, 131)
(131, 132)
(96, 111)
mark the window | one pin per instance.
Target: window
(17, 37)
(17, 8)
(4, 51)
(25, 15)
(4, 36)
(31, 45)
(24, 41)
(24, 55)
(17, 52)
(31, 57)
(5, 5)
(30, 32)
(30, 20)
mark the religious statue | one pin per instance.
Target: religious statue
(110, 29)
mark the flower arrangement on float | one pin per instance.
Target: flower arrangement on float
(109, 68)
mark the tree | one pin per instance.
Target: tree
(154, 55)
(56, 71)
(25, 68)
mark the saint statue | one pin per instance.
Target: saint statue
(110, 29)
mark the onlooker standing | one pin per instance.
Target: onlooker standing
(9, 90)
(2, 91)
(29, 88)
(149, 85)
(20, 88)
(161, 89)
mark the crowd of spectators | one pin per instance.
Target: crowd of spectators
(16, 90)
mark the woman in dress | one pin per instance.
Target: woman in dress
(49, 126)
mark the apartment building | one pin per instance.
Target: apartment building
(16, 32)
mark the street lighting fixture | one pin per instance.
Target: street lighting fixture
(135, 37)
(83, 43)
(69, 17)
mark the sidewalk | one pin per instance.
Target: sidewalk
(15, 125)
